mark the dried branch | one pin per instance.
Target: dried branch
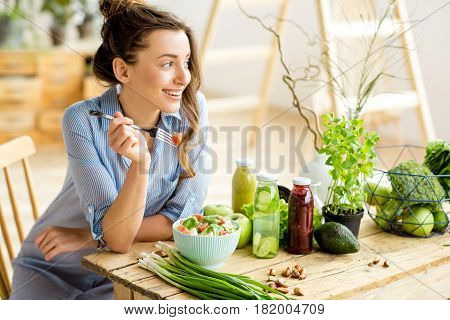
(290, 80)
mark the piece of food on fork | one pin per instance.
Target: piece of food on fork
(177, 137)
(155, 132)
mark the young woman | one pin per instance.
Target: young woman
(122, 186)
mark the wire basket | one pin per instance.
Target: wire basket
(406, 204)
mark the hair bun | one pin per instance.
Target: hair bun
(110, 8)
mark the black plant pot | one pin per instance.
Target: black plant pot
(351, 221)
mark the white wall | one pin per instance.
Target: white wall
(234, 29)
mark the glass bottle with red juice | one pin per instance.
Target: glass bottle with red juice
(300, 219)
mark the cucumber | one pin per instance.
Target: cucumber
(264, 197)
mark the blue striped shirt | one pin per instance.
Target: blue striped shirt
(98, 172)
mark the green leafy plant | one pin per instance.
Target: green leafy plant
(351, 152)
(61, 10)
(13, 13)
(437, 158)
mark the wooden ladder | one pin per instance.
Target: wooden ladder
(268, 53)
(388, 104)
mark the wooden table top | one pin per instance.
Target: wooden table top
(419, 269)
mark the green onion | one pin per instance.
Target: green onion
(204, 283)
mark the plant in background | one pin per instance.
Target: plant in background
(86, 12)
(351, 152)
(61, 10)
(8, 16)
(11, 13)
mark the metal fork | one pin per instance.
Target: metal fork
(155, 132)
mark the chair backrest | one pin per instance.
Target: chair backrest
(12, 152)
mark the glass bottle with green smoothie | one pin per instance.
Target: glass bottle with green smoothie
(243, 185)
(266, 217)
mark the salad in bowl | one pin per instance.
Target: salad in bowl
(207, 241)
(199, 225)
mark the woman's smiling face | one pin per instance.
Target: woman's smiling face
(161, 72)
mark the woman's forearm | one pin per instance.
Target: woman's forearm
(123, 219)
(155, 228)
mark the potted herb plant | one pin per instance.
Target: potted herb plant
(350, 151)
(62, 11)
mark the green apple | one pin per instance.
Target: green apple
(246, 228)
(377, 193)
(387, 212)
(419, 224)
(218, 209)
(440, 220)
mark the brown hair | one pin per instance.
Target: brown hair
(127, 24)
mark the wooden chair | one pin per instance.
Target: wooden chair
(14, 151)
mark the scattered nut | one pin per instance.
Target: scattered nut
(287, 272)
(295, 274)
(386, 264)
(299, 268)
(272, 272)
(272, 285)
(375, 260)
(371, 264)
(302, 276)
(298, 292)
(283, 290)
(281, 283)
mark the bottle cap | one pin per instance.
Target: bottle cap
(244, 162)
(301, 181)
(263, 176)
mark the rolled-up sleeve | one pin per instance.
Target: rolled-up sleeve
(93, 182)
(190, 193)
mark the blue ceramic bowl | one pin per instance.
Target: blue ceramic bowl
(207, 251)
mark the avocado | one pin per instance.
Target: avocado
(336, 238)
